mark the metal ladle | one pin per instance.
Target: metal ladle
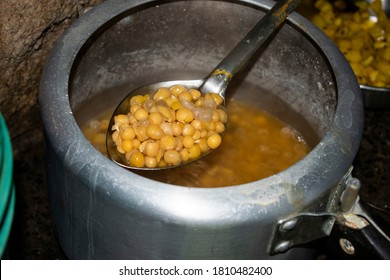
(218, 80)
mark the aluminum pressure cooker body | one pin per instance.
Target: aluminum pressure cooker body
(103, 211)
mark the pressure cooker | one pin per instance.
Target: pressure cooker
(103, 211)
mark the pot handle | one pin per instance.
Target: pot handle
(358, 233)
(351, 232)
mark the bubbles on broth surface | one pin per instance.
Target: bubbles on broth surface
(256, 145)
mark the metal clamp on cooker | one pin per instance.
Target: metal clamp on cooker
(351, 231)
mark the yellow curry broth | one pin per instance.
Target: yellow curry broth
(256, 145)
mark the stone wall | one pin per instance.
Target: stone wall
(28, 30)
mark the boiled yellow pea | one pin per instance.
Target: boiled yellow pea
(137, 159)
(214, 141)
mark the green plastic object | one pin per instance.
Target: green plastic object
(7, 189)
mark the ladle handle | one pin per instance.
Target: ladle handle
(218, 80)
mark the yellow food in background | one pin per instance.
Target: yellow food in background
(364, 40)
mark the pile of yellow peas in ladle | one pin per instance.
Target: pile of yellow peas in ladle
(363, 36)
(169, 127)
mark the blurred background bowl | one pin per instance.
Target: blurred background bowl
(375, 97)
(320, 13)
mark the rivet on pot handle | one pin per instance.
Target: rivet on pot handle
(301, 229)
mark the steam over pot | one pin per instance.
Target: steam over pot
(103, 211)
